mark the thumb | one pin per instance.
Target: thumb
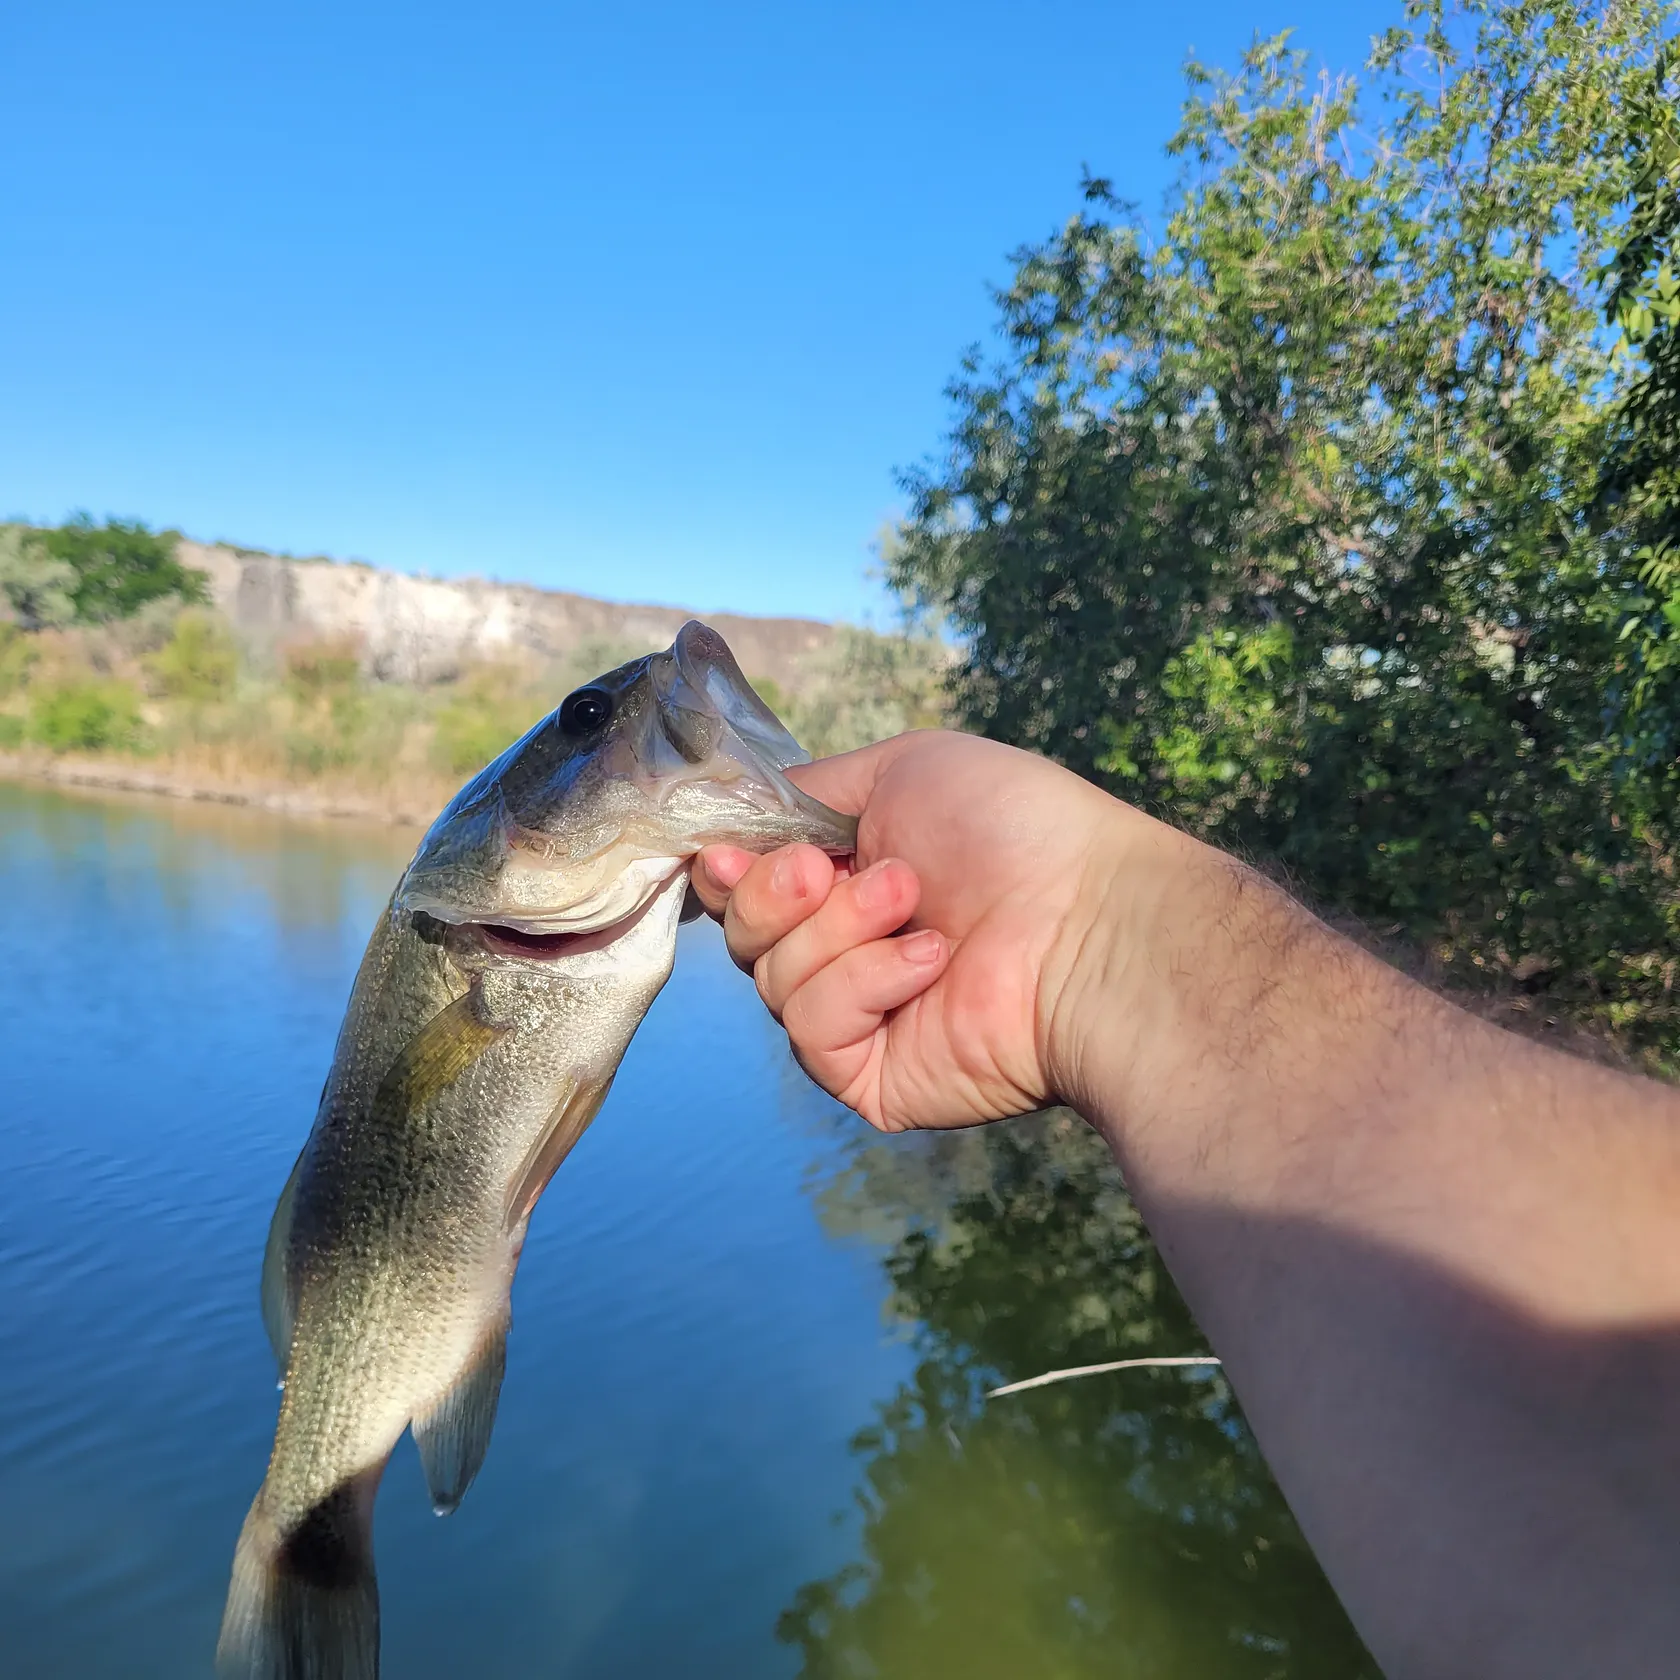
(847, 780)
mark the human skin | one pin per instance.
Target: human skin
(1439, 1262)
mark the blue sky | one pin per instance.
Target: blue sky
(649, 302)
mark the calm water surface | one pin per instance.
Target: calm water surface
(742, 1432)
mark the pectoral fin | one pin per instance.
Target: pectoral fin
(439, 1054)
(454, 1435)
(565, 1126)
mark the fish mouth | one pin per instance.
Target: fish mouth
(613, 902)
(693, 757)
(524, 942)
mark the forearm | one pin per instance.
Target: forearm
(1467, 1390)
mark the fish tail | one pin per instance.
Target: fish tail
(304, 1604)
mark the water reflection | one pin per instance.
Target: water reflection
(1118, 1525)
(691, 1347)
(689, 1351)
(203, 863)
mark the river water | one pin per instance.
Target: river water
(743, 1431)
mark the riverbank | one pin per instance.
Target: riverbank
(404, 807)
(413, 804)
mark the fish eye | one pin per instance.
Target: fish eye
(585, 711)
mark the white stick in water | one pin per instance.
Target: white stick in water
(1096, 1370)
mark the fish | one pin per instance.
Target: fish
(498, 993)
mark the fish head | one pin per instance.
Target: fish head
(586, 818)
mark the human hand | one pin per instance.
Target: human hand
(924, 986)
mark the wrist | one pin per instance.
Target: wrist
(1194, 994)
(1105, 973)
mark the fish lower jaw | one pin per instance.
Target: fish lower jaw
(625, 895)
(535, 939)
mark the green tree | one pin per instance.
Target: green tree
(119, 566)
(1287, 523)
(1642, 473)
(36, 585)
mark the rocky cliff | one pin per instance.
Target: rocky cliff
(412, 629)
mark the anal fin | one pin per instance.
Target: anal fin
(454, 1435)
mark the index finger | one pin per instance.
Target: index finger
(844, 782)
(766, 902)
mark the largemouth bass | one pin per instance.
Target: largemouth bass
(518, 955)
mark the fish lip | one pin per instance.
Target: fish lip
(509, 941)
(550, 921)
(756, 741)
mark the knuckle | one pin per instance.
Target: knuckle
(764, 981)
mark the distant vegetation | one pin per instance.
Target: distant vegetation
(88, 573)
(1339, 519)
(111, 648)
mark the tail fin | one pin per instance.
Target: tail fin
(304, 1604)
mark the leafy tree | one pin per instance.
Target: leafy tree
(119, 566)
(35, 584)
(1642, 474)
(1287, 522)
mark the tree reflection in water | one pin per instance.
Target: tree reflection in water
(1121, 1525)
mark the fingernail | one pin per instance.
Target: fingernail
(923, 947)
(726, 865)
(872, 888)
(786, 877)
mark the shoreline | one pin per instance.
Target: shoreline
(279, 798)
(1499, 1003)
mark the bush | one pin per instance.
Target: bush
(863, 687)
(17, 658)
(317, 669)
(86, 715)
(198, 662)
(488, 712)
(35, 585)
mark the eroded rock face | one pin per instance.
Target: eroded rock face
(420, 630)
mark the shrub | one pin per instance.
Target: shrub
(17, 657)
(198, 662)
(316, 669)
(87, 715)
(34, 584)
(863, 687)
(488, 712)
